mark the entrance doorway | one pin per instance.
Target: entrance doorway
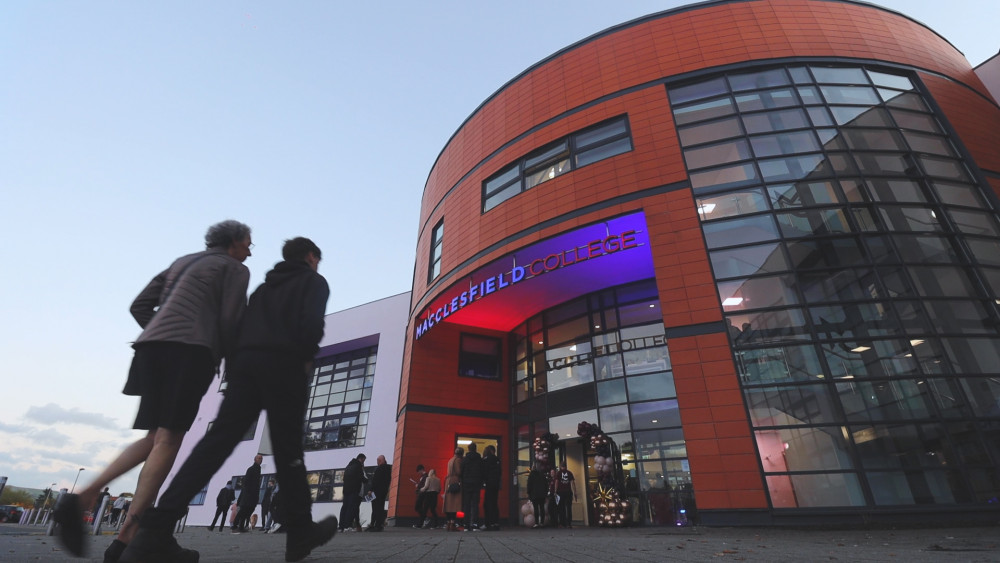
(572, 452)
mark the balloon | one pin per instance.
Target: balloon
(529, 520)
(460, 514)
(527, 508)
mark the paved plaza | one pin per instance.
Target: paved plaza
(910, 545)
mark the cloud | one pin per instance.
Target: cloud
(55, 414)
(15, 428)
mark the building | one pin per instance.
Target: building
(351, 411)
(756, 241)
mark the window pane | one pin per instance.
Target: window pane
(809, 222)
(748, 261)
(944, 168)
(802, 194)
(986, 252)
(756, 293)
(839, 75)
(905, 101)
(766, 100)
(614, 419)
(545, 174)
(603, 151)
(779, 365)
(896, 191)
(925, 248)
(918, 121)
(653, 444)
(790, 405)
(824, 253)
(646, 361)
(841, 285)
(731, 204)
(884, 400)
(925, 487)
(922, 142)
(880, 358)
(767, 327)
(909, 219)
(847, 320)
(725, 177)
(882, 164)
(873, 139)
(903, 446)
(652, 386)
(784, 143)
(984, 393)
(972, 355)
(824, 489)
(942, 281)
(890, 80)
(803, 449)
(791, 168)
(859, 116)
(697, 91)
(502, 179)
(611, 392)
(600, 134)
(756, 80)
(657, 414)
(850, 95)
(775, 121)
(502, 196)
(704, 110)
(721, 153)
(710, 131)
(975, 223)
(958, 194)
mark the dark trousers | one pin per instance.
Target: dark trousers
(258, 381)
(491, 507)
(428, 502)
(220, 511)
(565, 509)
(378, 513)
(470, 504)
(242, 520)
(539, 506)
(350, 510)
(265, 512)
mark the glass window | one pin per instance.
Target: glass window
(791, 168)
(803, 449)
(901, 446)
(850, 320)
(479, 357)
(916, 121)
(661, 443)
(591, 155)
(784, 143)
(814, 490)
(984, 394)
(810, 254)
(839, 75)
(732, 203)
(946, 168)
(713, 155)
(709, 131)
(884, 400)
(958, 194)
(767, 327)
(437, 238)
(810, 222)
(779, 364)
(934, 144)
(909, 219)
(790, 405)
(652, 386)
(656, 414)
(882, 164)
(600, 134)
(704, 110)
(942, 281)
(896, 191)
(757, 293)
(614, 419)
(873, 139)
(971, 355)
(986, 252)
(769, 99)
(905, 101)
(860, 116)
(850, 95)
(890, 80)
(802, 194)
(925, 248)
(337, 425)
(723, 178)
(775, 121)
(742, 230)
(975, 222)
(863, 359)
(749, 261)
(569, 366)
(840, 285)
(757, 80)
(611, 392)
(705, 89)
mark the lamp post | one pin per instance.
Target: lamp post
(75, 480)
(41, 509)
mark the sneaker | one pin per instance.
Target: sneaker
(152, 545)
(300, 543)
(114, 551)
(69, 517)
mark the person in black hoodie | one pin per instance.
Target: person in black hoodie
(272, 368)
(491, 479)
(472, 484)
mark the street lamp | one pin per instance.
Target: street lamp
(47, 493)
(75, 480)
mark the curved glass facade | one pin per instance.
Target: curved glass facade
(857, 260)
(603, 359)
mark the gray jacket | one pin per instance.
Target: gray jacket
(204, 307)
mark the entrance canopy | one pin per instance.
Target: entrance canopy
(505, 292)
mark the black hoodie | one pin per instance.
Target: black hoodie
(285, 314)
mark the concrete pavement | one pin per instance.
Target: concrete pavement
(597, 545)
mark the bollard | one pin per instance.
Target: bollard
(26, 517)
(181, 524)
(99, 515)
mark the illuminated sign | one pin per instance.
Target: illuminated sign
(540, 260)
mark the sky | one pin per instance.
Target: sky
(127, 128)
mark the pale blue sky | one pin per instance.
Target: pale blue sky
(127, 128)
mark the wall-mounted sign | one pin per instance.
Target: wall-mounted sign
(564, 251)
